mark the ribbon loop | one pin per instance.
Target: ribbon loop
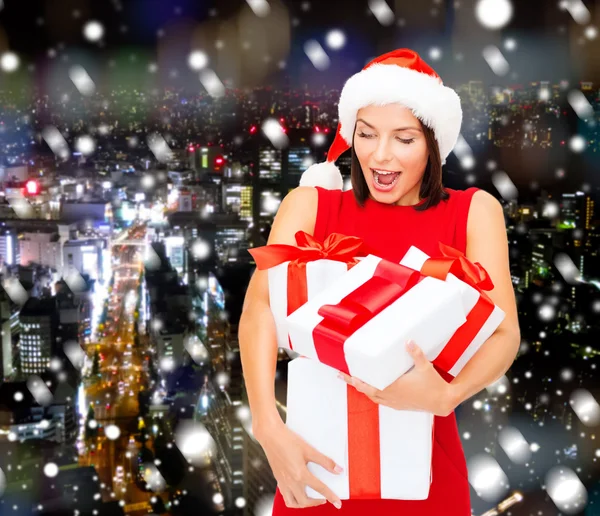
(337, 247)
(362, 304)
(455, 262)
(388, 283)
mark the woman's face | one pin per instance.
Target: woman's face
(392, 151)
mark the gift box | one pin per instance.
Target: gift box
(298, 273)
(385, 453)
(483, 316)
(359, 325)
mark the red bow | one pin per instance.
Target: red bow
(389, 282)
(455, 262)
(336, 247)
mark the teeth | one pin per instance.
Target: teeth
(376, 177)
(383, 173)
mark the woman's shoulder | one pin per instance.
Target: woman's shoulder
(297, 212)
(473, 198)
(466, 193)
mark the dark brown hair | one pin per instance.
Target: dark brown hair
(432, 188)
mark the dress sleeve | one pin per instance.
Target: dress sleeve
(462, 215)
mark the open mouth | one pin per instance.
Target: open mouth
(385, 180)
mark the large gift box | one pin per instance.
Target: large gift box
(483, 316)
(360, 323)
(385, 453)
(298, 273)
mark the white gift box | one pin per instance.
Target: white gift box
(317, 410)
(429, 313)
(415, 259)
(319, 275)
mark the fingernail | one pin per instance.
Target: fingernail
(338, 469)
(410, 344)
(338, 505)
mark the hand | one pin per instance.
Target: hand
(288, 455)
(421, 388)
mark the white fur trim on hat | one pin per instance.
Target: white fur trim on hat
(436, 105)
(325, 175)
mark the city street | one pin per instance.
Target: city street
(114, 393)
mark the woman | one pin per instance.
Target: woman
(400, 122)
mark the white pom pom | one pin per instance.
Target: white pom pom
(326, 175)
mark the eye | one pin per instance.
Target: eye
(364, 135)
(406, 142)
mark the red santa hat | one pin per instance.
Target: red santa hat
(398, 77)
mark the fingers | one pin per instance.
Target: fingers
(417, 354)
(317, 457)
(365, 388)
(305, 501)
(320, 487)
(344, 377)
(288, 497)
(299, 502)
(330, 465)
(359, 385)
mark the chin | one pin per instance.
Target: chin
(385, 197)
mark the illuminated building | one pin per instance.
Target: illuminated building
(269, 163)
(9, 332)
(86, 257)
(39, 329)
(246, 203)
(298, 160)
(42, 247)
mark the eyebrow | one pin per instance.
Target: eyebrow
(398, 129)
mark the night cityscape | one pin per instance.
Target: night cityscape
(138, 164)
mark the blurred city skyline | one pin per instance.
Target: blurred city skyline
(146, 145)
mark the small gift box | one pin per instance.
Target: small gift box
(483, 316)
(360, 323)
(385, 453)
(298, 273)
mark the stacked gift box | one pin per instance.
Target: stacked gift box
(343, 309)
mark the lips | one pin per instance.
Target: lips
(384, 180)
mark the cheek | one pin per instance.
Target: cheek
(415, 158)
(362, 151)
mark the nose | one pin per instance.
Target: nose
(383, 151)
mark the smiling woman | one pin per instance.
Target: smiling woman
(401, 123)
(395, 159)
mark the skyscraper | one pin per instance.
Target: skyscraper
(39, 328)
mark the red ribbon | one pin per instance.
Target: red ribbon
(389, 282)
(340, 321)
(455, 262)
(336, 247)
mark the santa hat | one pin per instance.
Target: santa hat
(398, 77)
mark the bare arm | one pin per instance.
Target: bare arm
(487, 244)
(258, 343)
(423, 388)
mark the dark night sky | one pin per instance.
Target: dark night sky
(31, 27)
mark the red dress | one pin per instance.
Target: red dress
(390, 230)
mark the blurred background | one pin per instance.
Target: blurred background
(145, 145)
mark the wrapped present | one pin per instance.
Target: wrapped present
(385, 453)
(298, 273)
(483, 316)
(360, 323)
